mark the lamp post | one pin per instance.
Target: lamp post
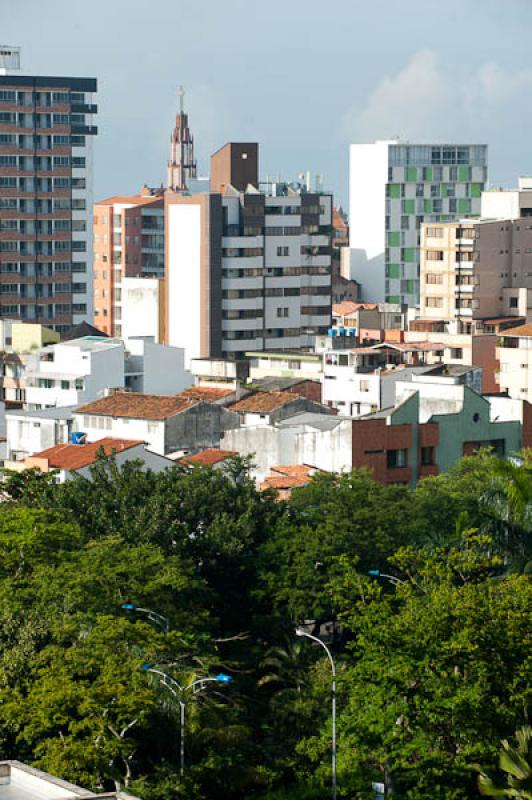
(376, 573)
(179, 692)
(154, 616)
(301, 632)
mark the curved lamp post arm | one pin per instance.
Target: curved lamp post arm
(302, 632)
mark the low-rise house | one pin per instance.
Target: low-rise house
(76, 459)
(311, 389)
(283, 479)
(211, 457)
(265, 408)
(214, 394)
(220, 372)
(18, 781)
(168, 424)
(74, 372)
(154, 368)
(29, 432)
(427, 430)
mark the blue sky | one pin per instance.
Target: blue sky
(303, 78)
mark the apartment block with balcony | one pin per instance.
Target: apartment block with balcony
(46, 132)
(128, 243)
(395, 187)
(247, 270)
(476, 271)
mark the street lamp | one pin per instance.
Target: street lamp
(178, 691)
(154, 616)
(302, 632)
(376, 573)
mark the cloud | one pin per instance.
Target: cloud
(426, 100)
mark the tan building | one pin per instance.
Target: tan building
(479, 270)
(515, 359)
(128, 243)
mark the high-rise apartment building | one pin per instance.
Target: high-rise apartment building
(128, 243)
(247, 270)
(46, 133)
(476, 270)
(394, 187)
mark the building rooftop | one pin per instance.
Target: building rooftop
(208, 457)
(300, 355)
(520, 331)
(275, 384)
(81, 330)
(139, 406)
(263, 402)
(349, 307)
(90, 343)
(21, 782)
(209, 394)
(76, 456)
(131, 200)
(322, 422)
(61, 412)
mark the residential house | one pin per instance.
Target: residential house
(168, 424)
(77, 458)
(29, 432)
(265, 408)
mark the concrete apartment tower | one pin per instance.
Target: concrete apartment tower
(128, 243)
(46, 134)
(393, 188)
(247, 270)
(181, 166)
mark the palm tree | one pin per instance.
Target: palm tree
(509, 503)
(515, 763)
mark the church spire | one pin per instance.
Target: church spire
(181, 166)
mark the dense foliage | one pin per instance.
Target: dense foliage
(434, 663)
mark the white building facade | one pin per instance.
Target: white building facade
(393, 188)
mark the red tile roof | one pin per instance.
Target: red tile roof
(208, 457)
(75, 456)
(139, 406)
(264, 402)
(134, 200)
(284, 482)
(521, 330)
(207, 393)
(294, 470)
(349, 306)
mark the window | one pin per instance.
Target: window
(427, 456)
(435, 233)
(433, 278)
(434, 255)
(283, 251)
(396, 459)
(457, 352)
(61, 119)
(434, 302)
(282, 312)
(514, 302)
(364, 386)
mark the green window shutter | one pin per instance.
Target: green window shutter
(476, 189)
(409, 254)
(410, 287)
(443, 190)
(464, 205)
(394, 238)
(428, 206)
(427, 173)
(411, 174)
(394, 190)
(409, 206)
(393, 298)
(393, 271)
(464, 173)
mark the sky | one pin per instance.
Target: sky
(304, 78)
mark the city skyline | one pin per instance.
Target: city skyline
(307, 96)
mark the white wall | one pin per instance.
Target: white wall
(183, 277)
(500, 205)
(163, 366)
(99, 426)
(343, 387)
(29, 435)
(368, 175)
(140, 307)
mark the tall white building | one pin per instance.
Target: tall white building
(393, 188)
(247, 270)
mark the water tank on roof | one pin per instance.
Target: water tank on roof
(77, 437)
